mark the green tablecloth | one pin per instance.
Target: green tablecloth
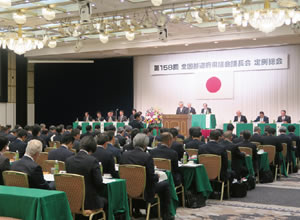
(263, 161)
(174, 198)
(294, 159)
(240, 127)
(93, 124)
(249, 165)
(262, 127)
(297, 126)
(197, 177)
(116, 195)
(204, 121)
(282, 167)
(34, 204)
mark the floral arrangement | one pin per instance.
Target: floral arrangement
(153, 116)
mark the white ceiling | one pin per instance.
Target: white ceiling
(183, 37)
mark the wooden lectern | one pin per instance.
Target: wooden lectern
(183, 122)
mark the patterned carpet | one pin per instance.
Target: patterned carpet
(277, 200)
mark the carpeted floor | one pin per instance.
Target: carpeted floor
(277, 200)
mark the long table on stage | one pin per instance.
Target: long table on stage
(239, 127)
(83, 124)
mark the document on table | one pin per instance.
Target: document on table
(162, 175)
(106, 180)
(49, 177)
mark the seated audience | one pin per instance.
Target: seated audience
(36, 135)
(110, 146)
(256, 137)
(230, 127)
(164, 151)
(19, 144)
(63, 152)
(137, 123)
(148, 132)
(129, 146)
(196, 139)
(88, 166)
(121, 136)
(291, 129)
(58, 134)
(239, 139)
(4, 161)
(190, 136)
(76, 135)
(138, 156)
(284, 138)
(88, 132)
(271, 139)
(28, 165)
(178, 147)
(52, 131)
(213, 147)
(104, 156)
(96, 131)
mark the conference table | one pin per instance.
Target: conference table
(204, 121)
(37, 204)
(83, 124)
(239, 127)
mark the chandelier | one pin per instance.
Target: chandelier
(18, 43)
(266, 19)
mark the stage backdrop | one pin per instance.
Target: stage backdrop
(250, 80)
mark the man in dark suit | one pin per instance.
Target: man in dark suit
(88, 166)
(87, 117)
(76, 135)
(291, 129)
(283, 138)
(131, 118)
(104, 156)
(121, 136)
(189, 138)
(130, 146)
(191, 110)
(256, 137)
(164, 151)
(99, 116)
(239, 117)
(11, 136)
(138, 156)
(230, 127)
(178, 147)
(137, 123)
(36, 135)
(284, 118)
(196, 139)
(88, 132)
(212, 147)
(58, 134)
(4, 161)
(63, 152)
(111, 146)
(262, 118)
(122, 117)
(271, 139)
(96, 131)
(247, 143)
(19, 144)
(110, 116)
(205, 109)
(237, 157)
(28, 165)
(52, 131)
(181, 109)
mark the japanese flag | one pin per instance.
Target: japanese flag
(214, 85)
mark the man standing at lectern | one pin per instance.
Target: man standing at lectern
(239, 117)
(181, 109)
(205, 109)
(191, 110)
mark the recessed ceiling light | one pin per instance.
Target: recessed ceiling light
(93, 5)
(121, 1)
(254, 39)
(68, 13)
(216, 42)
(186, 45)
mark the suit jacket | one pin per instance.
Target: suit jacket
(194, 144)
(272, 140)
(4, 165)
(87, 119)
(76, 145)
(178, 147)
(37, 138)
(266, 119)
(107, 160)
(99, 119)
(213, 147)
(124, 118)
(254, 151)
(87, 166)
(121, 139)
(287, 119)
(19, 146)
(208, 111)
(283, 138)
(192, 110)
(136, 124)
(60, 154)
(184, 110)
(86, 134)
(11, 137)
(113, 118)
(187, 140)
(131, 118)
(237, 139)
(139, 157)
(256, 138)
(297, 139)
(33, 170)
(243, 119)
(237, 157)
(57, 137)
(128, 147)
(162, 151)
(115, 151)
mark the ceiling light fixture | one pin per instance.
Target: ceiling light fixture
(221, 26)
(48, 13)
(19, 17)
(5, 3)
(156, 2)
(130, 35)
(52, 43)
(104, 38)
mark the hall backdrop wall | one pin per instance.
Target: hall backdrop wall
(253, 91)
(63, 92)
